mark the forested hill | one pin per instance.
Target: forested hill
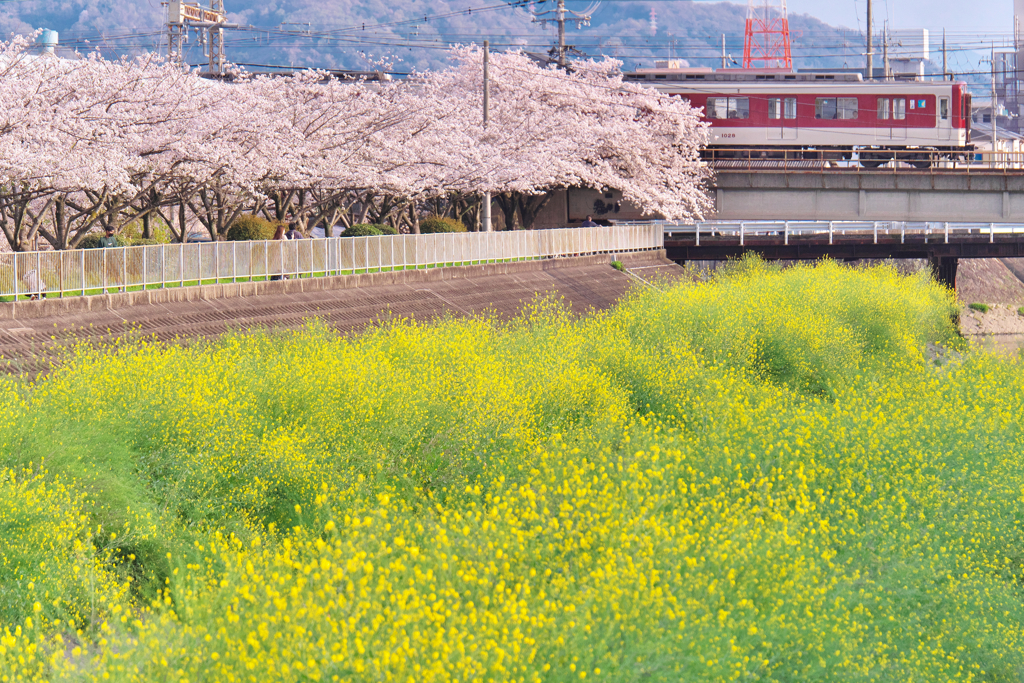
(415, 33)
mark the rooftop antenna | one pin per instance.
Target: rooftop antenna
(766, 42)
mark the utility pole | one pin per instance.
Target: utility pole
(723, 51)
(182, 17)
(560, 18)
(560, 12)
(485, 210)
(995, 103)
(885, 50)
(216, 41)
(871, 64)
(945, 69)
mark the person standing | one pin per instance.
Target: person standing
(293, 229)
(277, 260)
(112, 261)
(589, 223)
(108, 240)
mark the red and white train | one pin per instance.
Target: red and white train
(767, 114)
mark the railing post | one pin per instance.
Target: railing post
(903, 232)
(145, 268)
(696, 227)
(234, 261)
(875, 225)
(104, 270)
(945, 229)
(181, 261)
(83, 269)
(830, 232)
(786, 231)
(991, 233)
(741, 234)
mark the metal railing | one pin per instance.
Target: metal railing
(784, 231)
(900, 161)
(96, 271)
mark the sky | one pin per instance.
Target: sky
(984, 15)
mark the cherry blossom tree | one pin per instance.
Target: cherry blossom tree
(91, 143)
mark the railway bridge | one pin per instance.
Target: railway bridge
(750, 190)
(941, 243)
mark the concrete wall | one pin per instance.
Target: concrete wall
(78, 305)
(869, 195)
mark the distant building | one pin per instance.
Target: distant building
(1008, 77)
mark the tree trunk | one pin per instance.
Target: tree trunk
(507, 203)
(530, 206)
(414, 218)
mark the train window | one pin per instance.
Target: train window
(825, 108)
(774, 107)
(844, 108)
(847, 108)
(899, 108)
(728, 107)
(943, 108)
(790, 108)
(883, 108)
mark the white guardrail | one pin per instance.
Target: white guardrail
(98, 271)
(861, 230)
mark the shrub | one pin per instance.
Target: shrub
(92, 241)
(248, 227)
(617, 265)
(362, 230)
(386, 229)
(1020, 311)
(160, 233)
(979, 307)
(435, 224)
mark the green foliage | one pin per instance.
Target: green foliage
(435, 224)
(362, 230)
(385, 228)
(92, 241)
(249, 227)
(761, 474)
(617, 265)
(1020, 311)
(161, 233)
(979, 307)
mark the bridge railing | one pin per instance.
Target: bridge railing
(97, 271)
(834, 231)
(757, 159)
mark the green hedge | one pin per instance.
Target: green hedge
(364, 230)
(248, 227)
(92, 241)
(435, 224)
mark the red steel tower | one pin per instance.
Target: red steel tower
(766, 41)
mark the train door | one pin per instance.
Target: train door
(891, 115)
(899, 117)
(781, 118)
(944, 119)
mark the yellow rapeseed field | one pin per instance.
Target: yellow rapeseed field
(777, 475)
